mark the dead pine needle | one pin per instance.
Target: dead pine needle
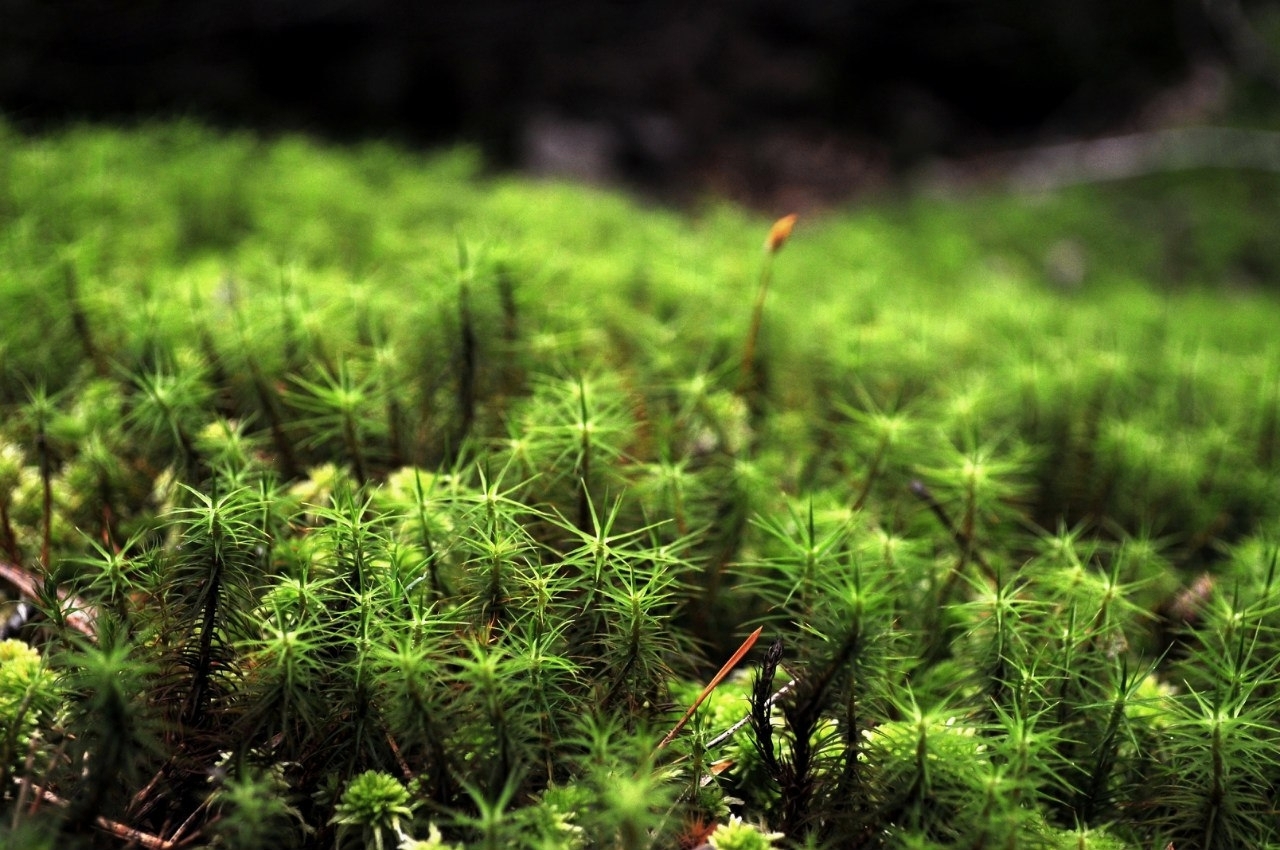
(712, 685)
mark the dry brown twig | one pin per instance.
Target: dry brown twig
(80, 615)
(711, 686)
(134, 837)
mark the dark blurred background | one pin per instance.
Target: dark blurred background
(742, 97)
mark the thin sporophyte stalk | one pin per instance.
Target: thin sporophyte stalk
(749, 376)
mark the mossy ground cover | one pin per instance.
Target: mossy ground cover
(369, 499)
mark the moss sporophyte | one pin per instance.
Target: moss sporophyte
(366, 498)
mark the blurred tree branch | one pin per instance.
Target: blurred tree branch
(1041, 169)
(1250, 50)
(1136, 154)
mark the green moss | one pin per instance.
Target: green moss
(29, 698)
(351, 463)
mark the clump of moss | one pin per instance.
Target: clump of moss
(366, 498)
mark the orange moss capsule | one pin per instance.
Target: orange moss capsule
(779, 232)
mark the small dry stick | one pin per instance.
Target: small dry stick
(711, 686)
(133, 836)
(80, 615)
(177, 839)
(733, 730)
(778, 235)
(708, 778)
